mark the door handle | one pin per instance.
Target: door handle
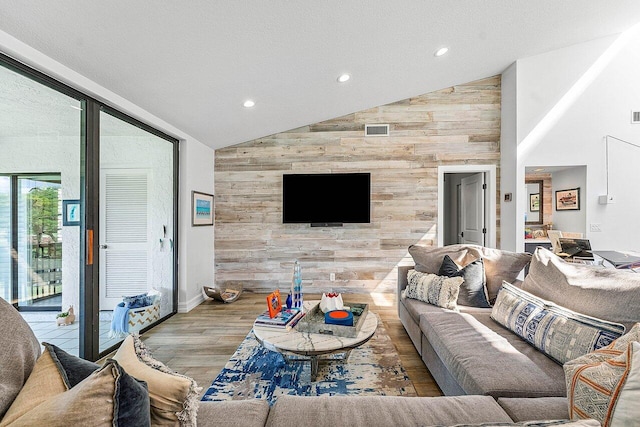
(103, 246)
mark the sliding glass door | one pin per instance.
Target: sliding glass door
(41, 170)
(88, 202)
(137, 232)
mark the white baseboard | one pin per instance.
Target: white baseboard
(185, 307)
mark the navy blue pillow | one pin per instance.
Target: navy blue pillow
(473, 291)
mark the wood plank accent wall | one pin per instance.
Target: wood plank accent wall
(452, 126)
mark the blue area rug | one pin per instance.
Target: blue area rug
(254, 372)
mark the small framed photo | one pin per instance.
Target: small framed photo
(201, 208)
(274, 303)
(70, 212)
(568, 200)
(534, 202)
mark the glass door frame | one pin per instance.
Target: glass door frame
(90, 193)
(14, 190)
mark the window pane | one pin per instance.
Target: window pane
(136, 234)
(41, 144)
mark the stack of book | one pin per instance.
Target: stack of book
(285, 319)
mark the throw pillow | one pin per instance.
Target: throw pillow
(473, 291)
(605, 293)
(433, 289)
(18, 354)
(174, 397)
(499, 265)
(556, 331)
(605, 385)
(138, 301)
(107, 397)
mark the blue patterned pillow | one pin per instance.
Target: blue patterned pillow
(138, 301)
(558, 332)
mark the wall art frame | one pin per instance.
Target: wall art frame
(201, 209)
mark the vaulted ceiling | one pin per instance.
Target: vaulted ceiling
(194, 63)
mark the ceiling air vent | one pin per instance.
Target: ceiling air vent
(376, 130)
(635, 117)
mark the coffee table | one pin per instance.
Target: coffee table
(310, 345)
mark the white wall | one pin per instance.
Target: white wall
(510, 215)
(566, 102)
(196, 243)
(189, 166)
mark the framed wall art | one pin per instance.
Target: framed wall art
(70, 212)
(201, 209)
(534, 202)
(568, 200)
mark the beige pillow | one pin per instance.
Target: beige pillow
(605, 385)
(605, 293)
(44, 382)
(108, 397)
(174, 397)
(433, 289)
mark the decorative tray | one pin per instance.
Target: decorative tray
(313, 322)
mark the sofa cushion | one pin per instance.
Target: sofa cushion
(367, 411)
(233, 413)
(499, 265)
(174, 397)
(433, 289)
(529, 409)
(558, 332)
(605, 293)
(473, 291)
(486, 358)
(19, 351)
(107, 397)
(536, 423)
(605, 384)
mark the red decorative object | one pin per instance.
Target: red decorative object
(274, 303)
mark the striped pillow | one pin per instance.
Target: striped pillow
(433, 289)
(558, 332)
(605, 385)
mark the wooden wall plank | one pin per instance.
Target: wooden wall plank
(457, 125)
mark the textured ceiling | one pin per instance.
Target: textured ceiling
(194, 63)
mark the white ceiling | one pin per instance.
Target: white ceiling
(193, 63)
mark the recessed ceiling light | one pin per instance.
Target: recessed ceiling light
(343, 78)
(441, 51)
(538, 170)
(249, 103)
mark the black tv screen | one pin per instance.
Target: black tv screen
(326, 199)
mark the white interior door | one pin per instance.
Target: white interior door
(124, 234)
(472, 209)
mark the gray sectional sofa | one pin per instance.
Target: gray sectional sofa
(468, 353)
(490, 375)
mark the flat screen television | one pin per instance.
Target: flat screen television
(328, 199)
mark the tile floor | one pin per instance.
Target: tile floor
(67, 338)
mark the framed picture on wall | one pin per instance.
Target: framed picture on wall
(568, 200)
(201, 208)
(534, 202)
(70, 212)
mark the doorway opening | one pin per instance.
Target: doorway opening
(467, 205)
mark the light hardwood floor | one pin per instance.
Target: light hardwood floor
(200, 343)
